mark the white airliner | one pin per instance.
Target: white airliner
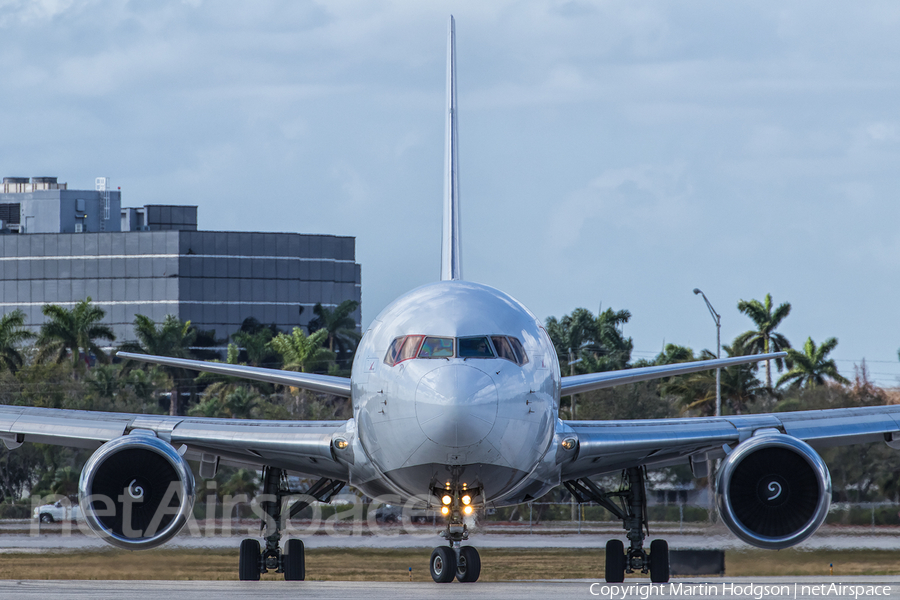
(455, 390)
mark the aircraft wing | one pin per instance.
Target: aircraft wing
(577, 384)
(300, 446)
(328, 384)
(610, 446)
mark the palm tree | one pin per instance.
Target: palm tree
(303, 352)
(697, 391)
(810, 367)
(73, 332)
(763, 339)
(12, 333)
(570, 333)
(342, 336)
(255, 345)
(597, 341)
(171, 338)
(611, 347)
(145, 384)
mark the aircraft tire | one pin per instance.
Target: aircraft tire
(468, 567)
(294, 559)
(248, 568)
(615, 561)
(443, 564)
(46, 518)
(659, 561)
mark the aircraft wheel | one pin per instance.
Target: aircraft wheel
(443, 564)
(248, 569)
(615, 561)
(659, 561)
(468, 568)
(294, 561)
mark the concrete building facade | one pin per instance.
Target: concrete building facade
(160, 264)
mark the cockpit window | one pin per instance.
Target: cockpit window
(521, 357)
(420, 346)
(475, 347)
(436, 347)
(504, 350)
(403, 348)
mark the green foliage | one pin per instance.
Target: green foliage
(632, 401)
(170, 338)
(695, 393)
(811, 367)
(597, 341)
(763, 339)
(342, 336)
(12, 335)
(70, 332)
(302, 352)
(254, 337)
(239, 403)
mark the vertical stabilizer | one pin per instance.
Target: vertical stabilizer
(451, 260)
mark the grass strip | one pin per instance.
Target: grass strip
(330, 564)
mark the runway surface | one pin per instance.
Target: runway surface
(759, 588)
(19, 542)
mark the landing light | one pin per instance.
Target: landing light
(569, 443)
(467, 510)
(446, 499)
(466, 499)
(341, 443)
(445, 511)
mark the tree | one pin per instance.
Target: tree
(256, 346)
(302, 352)
(73, 332)
(570, 333)
(171, 338)
(610, 348)
(342, 336)
(697, 391)
(239, 403)
(811, 367)
(145, 385)
(597, 341)
(763, 339)
(12, 334)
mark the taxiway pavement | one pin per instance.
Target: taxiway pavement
(741, 588)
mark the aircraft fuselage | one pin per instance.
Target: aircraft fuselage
(456, 383)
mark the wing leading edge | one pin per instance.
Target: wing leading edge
(327, 384)
(577, 384)
(609, 446)
(300, 446)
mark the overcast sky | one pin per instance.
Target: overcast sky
(612, 153)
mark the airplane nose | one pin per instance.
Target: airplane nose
(456, 405)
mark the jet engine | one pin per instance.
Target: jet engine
(773, 491)
(136, 492)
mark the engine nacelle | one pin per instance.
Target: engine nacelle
(773, 491)
(136, 492)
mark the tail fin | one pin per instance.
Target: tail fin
(451, 259)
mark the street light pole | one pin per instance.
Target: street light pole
(718, 320)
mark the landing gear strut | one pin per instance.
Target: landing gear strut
(292, 561)
(455, 560)
(630, 505)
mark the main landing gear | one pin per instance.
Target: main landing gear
(630, 505)
(455, 560)
(292, 561)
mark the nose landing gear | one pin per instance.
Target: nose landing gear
(631, 508)
(455, 560)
